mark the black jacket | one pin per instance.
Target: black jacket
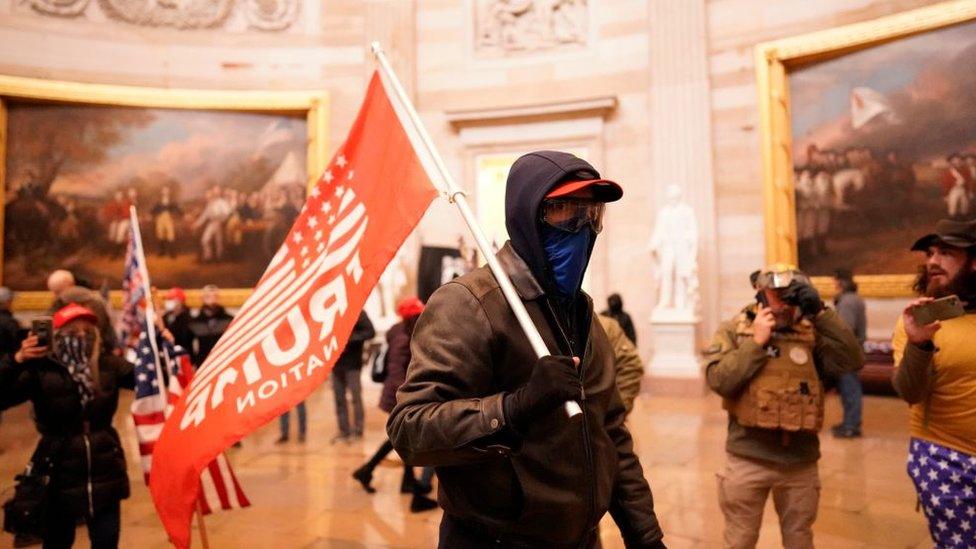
(206, 330)
(352, 355)
(82, 443)
(549, 485)
(11, 334)
(178, 323)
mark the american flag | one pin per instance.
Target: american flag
(220, 488)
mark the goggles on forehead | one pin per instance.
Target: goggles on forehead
(572, 214)
(778, 280)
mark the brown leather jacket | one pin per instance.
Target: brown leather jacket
(548, 486)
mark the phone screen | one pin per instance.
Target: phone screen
(42, 329)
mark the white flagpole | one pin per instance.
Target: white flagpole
(150, 308)
(458, 197)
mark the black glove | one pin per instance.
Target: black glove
(554, 381)
(804, 296)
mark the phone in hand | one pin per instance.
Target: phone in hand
(945, 308)
(41, 327)
(761, 299)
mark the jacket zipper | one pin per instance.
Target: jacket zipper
(584, 424)
(91, 503)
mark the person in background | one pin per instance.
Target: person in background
(935, 372)
(767, 364)
(208, 325)
(850, 308)
(347, 377)
(283, 424)
(65, 290)
(11, 333)
(630, 368)
(177, 317)
(74, 389)
(615, 310)
(396, 360)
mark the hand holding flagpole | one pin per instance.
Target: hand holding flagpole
(458, 196)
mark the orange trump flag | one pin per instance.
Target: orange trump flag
(287, 336)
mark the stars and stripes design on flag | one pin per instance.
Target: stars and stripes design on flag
(219, 488)
(133, 292)
(946, 483)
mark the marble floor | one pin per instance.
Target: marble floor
(303, 496)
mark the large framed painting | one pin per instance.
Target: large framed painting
(868, 138)
(217, 178)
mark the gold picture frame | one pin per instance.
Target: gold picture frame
(313, 104)
(774, 60)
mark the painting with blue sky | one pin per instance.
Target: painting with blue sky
(884, 145)
(215, 192)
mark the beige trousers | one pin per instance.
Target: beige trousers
(743, 486)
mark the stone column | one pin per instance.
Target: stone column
(681, 154)
(394, 24)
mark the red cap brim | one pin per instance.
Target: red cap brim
(604, 190)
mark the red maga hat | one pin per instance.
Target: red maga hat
(409, 307)
(176, 293)
(73, 311)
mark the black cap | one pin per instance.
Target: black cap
(958, 234)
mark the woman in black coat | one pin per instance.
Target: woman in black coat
(75, 392)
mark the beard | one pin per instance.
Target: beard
(962, 285)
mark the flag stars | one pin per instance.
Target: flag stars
(971, 511)
(327, 176)
(965, 525)
(943, 465)
(320, 247)
(340, 190)
(297, 237)
(935, 500)
(968, 491)
(933, 475)
(315, 192)
(955, 477)
(942, 526)
(916, 471)
(312, 222)
(326, 207)
(950, 513)
(341, 161)
(331, 219)
(944, 488)
(924, 484)
(954, 456)
(350, 174)
(142, 377)
(319, 234)
(306, 263)
(923, 459)
(933, 450)
(957, 538)
(304, 251)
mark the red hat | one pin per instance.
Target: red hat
(73, 311)
(176, 293)
(409, 307)
(604, 190)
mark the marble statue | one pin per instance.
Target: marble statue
(674, 247)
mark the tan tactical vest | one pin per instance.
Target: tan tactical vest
(786, 393)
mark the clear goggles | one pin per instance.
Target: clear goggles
(572, 214)
(778, 280)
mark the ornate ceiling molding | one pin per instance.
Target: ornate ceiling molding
(264, 15)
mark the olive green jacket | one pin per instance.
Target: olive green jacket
(630, 369)
(730, 363)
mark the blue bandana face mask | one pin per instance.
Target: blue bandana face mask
(568, 254)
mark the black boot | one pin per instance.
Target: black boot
(365, 476)
(419, 504)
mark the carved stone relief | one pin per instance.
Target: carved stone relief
(511, 26)
(265, 15)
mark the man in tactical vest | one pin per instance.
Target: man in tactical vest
(768, 364)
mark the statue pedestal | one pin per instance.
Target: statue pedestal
(674, 366)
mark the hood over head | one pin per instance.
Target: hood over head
(531, 178)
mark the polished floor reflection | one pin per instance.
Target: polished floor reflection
(303, 496)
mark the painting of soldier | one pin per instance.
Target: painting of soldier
(884, 142)
(212, 190)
